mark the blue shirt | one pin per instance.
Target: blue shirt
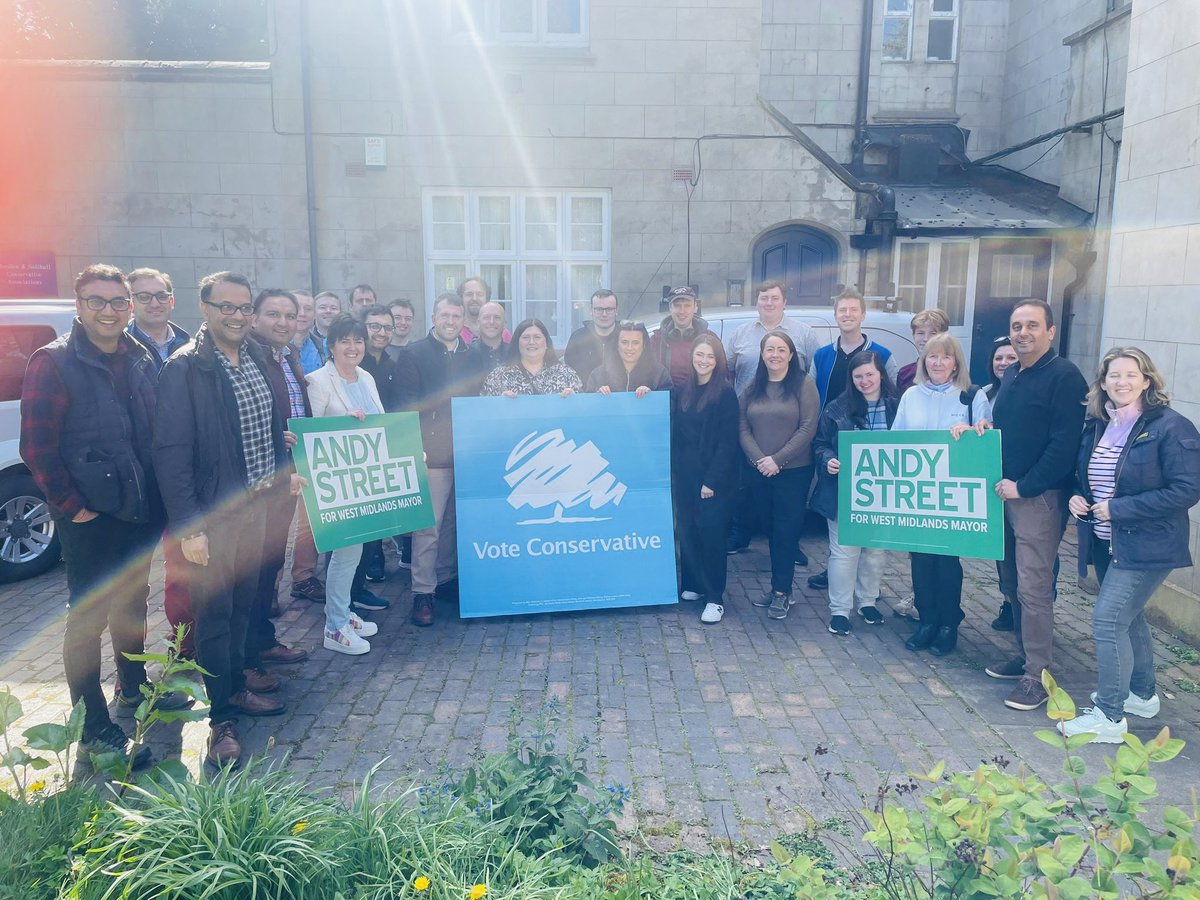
(311, 355)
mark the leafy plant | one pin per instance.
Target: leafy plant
(49, 737)
(37, 835)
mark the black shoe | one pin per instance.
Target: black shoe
(801, 559)
(112, 739)
(309, 589)
(375, 572)
(171, 700)
(840, 625)
(1009, 670)
(733, 548)
(871, 615)
(1004, 621)
(819, 582)
(447, 591)
(945, 641)
(364, 599)
(922, 638)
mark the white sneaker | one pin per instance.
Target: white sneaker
(347, 642)
(689, 595)
(712, 613)
(906, 608)
(364, 628)
(1136, 706)
(1093, 721)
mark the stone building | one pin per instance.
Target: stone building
(960, 153)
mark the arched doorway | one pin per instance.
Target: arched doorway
(803, 258)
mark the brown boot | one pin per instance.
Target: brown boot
(223, 746)
(260, 682)
(422, 610)
(283, 655)
(252, 704)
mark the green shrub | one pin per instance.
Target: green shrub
(36, 836)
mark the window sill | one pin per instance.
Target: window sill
(142, 69)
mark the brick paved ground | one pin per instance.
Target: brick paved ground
(716, 728)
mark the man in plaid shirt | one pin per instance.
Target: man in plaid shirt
(218, 441)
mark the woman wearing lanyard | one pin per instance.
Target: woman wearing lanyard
(868, 404)
(1138, 475)
(342, 388)
(533, 366)
(941, 399)
(778, 416)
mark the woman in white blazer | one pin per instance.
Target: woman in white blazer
(342, 388)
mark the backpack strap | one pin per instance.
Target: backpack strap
(967, 399)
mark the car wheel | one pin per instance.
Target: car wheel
(28, 539)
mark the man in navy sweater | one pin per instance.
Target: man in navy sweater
(1039, 409)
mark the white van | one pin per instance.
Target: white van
(28, 543)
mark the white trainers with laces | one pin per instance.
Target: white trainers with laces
(1093, 721)
(712, 613)
(906, 608)
(1136, 706)
(346, 641)
(363, 627)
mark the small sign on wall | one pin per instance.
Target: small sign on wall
(28, 275)
(375, 152)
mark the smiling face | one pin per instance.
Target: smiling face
(704, 361)
(152, 302)
(1124, 382)
(348, 351)
(630, 346)
(1002, 358)
(941, 367)
(683, 310)
(447, 322)
(922, 334)
(307, 314)
(866, 379)
(103, 326)
(532, 346)
(491, 322)
(776, 356)
(275, 321)
(849, 314)
(1030, 335)
(379, 332)
(403, 318)
(228, 331)
(473, 297)
(770, 304)
(327, 309)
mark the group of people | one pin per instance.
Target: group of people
(138, 432)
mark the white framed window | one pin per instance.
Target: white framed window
(543, 252)
(897, 30)
(534, 23)
(942, 43)
(938, 274)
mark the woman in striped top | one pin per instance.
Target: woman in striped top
(1138, 474)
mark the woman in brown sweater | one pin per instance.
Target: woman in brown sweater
(779, 413)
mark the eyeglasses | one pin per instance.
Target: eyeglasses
(605, 310)
(145, 297)
(94, 303)
(376, 327)
(228, 309)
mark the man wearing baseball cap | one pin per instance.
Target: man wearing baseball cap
(671, 344)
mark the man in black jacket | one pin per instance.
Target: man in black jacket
(1039, 409)
(593, 342)
(87, 410)
(442, 367)
(218, 441)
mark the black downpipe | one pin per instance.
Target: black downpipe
(310, 178)
(1083, 262)
(864, 83)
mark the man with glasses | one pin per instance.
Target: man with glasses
(403, 315)
(153, 301)
(218, 441)
(591, 343)
(87, 414)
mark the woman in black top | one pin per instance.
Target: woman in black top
(704, 445)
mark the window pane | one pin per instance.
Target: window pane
(514, 16)
(584, 281)
(899, 6)
(499, 278)
(495, 223)
(449, 209)
(541, 295)
(952, 289)
(587, 224)
(448, 276)
(563, 17)
(914, 272)
(941, 39)
(945, 7)
(541, 223)
(449, 230)
(1012, 275)
(895, 38)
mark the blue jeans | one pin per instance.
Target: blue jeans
(339, 579)
(1124, 649)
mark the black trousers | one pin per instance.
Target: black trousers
(937, 587)
(222, 596)
(781, 502)
(108, 570)
(260, 630)
(701, 527)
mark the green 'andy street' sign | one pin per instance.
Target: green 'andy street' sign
(921, 491)
(366, 480)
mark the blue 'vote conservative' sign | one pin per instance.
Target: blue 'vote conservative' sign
(563, 503)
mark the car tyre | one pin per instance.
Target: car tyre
(28, 538)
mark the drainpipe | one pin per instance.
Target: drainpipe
(864, 83)
(1083, 262)
(310, 178)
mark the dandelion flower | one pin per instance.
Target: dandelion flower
(420, 883)
(37, 786)
(299, 827)
(477, 892)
